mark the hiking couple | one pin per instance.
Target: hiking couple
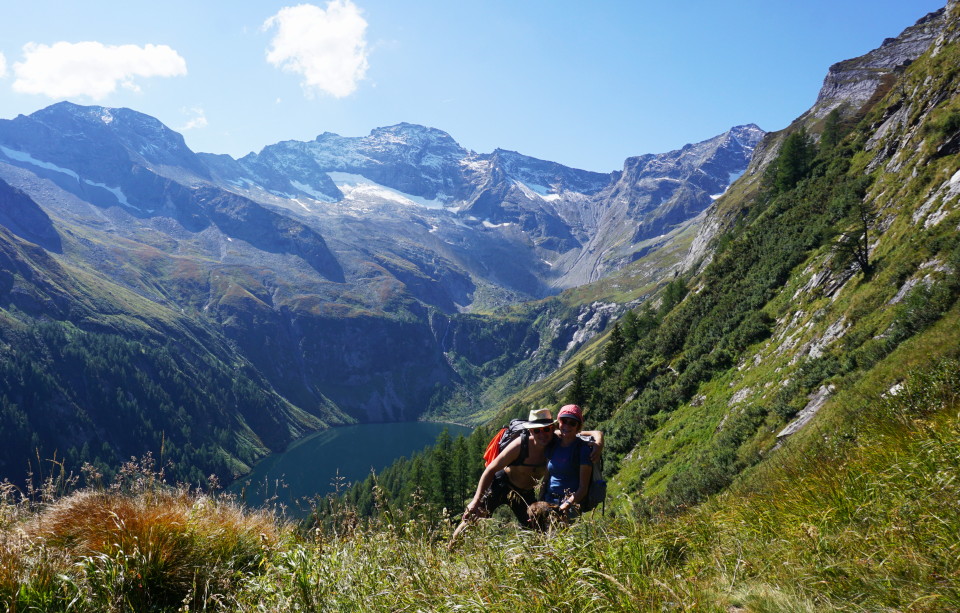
(549, 449)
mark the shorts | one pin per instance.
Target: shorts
(503, 492)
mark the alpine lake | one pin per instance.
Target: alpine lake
(322, 462)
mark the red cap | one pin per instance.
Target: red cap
(572, 411)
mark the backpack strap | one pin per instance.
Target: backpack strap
(524, 449)
(580, 443)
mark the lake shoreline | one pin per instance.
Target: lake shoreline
(320, 462)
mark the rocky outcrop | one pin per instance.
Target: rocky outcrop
(853, 83)
(850, 86)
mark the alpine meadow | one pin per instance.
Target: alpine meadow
(764, 326)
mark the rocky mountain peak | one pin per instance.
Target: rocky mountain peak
(412, 134)
(118, 136)
(671, 165)
(746, 136)
(852, 83)
(551, 176)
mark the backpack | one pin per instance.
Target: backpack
(597, 491)
(503, 437)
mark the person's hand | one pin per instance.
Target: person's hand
(470, 511)
(596, 450)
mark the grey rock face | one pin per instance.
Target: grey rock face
(655, 194)
(673, 187)
(854, 82)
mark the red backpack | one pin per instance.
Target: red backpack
(502, 438)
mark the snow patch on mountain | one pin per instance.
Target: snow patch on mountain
(529, 191)
(26, 158)
(117, 193)
(358, 187)
(308, 189)
(20, 156)
(534, 191)
(539, 189)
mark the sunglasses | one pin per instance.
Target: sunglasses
(540, 430)
(568, 421)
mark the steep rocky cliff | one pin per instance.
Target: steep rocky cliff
(851, 88)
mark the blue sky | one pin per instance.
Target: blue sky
(583, 84)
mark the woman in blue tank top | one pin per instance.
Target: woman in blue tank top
(568, 462)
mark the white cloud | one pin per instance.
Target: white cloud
(92, 69)
(326, 47)
(197, 119)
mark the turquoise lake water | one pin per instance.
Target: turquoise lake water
(310, 467)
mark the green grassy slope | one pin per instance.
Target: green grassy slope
(863, 519)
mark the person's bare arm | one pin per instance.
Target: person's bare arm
(508, 455)
(586, 471)
(596, 447)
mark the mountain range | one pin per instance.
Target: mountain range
(377, 278)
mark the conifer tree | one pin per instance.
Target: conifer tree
(832, 131)
(577, 394)
(630, 327)
(441, 486)
(794, 161)
(616, 346)
(461, 473)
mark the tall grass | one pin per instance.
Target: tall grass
(138, 545)
(870, 523)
